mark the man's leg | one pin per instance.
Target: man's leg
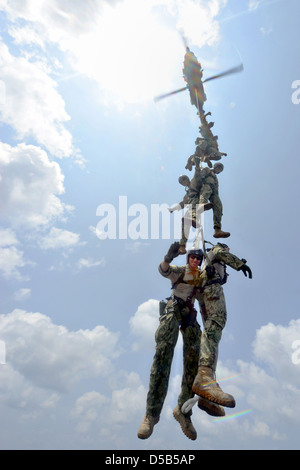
(205, 383)
(217, 217)
(166, 338)
(191, 348)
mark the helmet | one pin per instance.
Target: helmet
(196, 252)
(182, 178)
(223, 245)
(219, 165)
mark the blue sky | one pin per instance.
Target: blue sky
(79, 130)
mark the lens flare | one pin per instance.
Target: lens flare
(234, 415)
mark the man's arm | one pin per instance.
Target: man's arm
(178, 206)
(172, 253)
(232, 260)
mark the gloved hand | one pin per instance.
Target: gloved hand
(197, 161)
(210, 271)
(246, 270)
(172, 252)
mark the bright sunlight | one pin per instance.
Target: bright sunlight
(131, 53)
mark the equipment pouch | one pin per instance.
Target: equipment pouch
(162, 306)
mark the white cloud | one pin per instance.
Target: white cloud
(83, 30)
(274, 345)
(11, 258)
(32, 105)
(59, 238)
(266, 31)
(253, 4)
(128, 401)
(30, 187)
(51, 357)
(7, 237)
(198, 20)
(59, 17)
(22, 294)
(88, 409)
(144, 323)
(90, 263)
(45, 361)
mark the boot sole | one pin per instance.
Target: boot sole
(213, 409)
(208, 396)
(193, 438)
(143, 436)
(226, 235)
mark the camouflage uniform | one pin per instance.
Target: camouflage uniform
(193, 213)
(176, 315)
(212, 303)
(192, 195)
(210, 192)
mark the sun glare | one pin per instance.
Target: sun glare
(132, 55)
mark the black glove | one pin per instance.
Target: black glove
(172, 252)
(197, 161)
(210, 271)
(246, 270)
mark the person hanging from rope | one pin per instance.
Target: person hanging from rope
(214, 315)
(205, 152)
(191, 199)
(209, 191)
(212, 148)
(178, 313)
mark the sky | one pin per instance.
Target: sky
(88, 161)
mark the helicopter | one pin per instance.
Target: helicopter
(193, 73)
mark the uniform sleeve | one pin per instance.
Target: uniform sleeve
(228, 258)
(196, 180)
(172, 273)
(213, 180)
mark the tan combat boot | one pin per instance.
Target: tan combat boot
(205, 386)
(147, 425)
(182, 250)
(205, 206)
(220, 234)
(185, 423)
(211, 408)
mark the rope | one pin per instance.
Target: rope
(188, 405)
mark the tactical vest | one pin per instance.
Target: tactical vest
(220, 268)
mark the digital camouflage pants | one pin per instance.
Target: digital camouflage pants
(192, 218)
(214, 316)
(208, 193)
(166, 338)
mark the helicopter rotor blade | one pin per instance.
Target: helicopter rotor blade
(231, 71)
(236, 69)
(161, 97)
